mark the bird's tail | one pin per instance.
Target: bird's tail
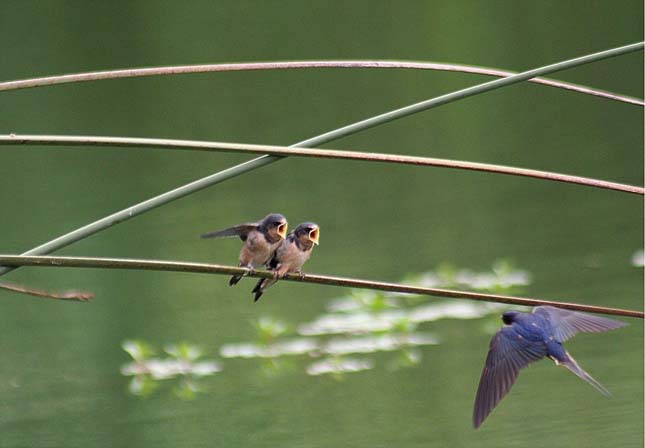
(260, 286)
(573, 366)
(233, 281)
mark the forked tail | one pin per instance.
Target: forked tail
(573, 366)
(258, 290)
(261, 286)
(233, 281)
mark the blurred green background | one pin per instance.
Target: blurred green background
(59, 377)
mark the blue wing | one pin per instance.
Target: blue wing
(509, 353)
(565, 323)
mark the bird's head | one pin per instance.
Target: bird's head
(275, 225)
(509, 316)
(307, 233)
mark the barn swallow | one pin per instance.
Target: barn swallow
(291, 255)
(261, 239)
(529, 337)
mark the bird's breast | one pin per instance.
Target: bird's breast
(256, 250)
(292, 257)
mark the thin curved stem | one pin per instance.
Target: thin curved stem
(71, 296)
(130, 142)
(169, 196)
(203, 268)
(291, 65)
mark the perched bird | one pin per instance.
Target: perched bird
(261, 239)
(529, 337)
(291, 255)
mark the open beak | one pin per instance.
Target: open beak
(282, 230)
(314, 235)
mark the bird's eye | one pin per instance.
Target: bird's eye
(277, 223)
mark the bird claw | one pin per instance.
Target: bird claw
(249, 271)
(301, 275)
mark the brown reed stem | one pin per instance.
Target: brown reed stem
(291, 65)
(203, 268)
(128, 142)
(72, 296)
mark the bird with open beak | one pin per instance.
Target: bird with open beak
(291, 255)
(261, 240)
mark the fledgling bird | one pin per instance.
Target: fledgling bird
(291, 255)
(261, 239)
(529, 337)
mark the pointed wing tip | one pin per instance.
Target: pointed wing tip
(608, 324)
(477, 421)
(484, 405)
(241, 230)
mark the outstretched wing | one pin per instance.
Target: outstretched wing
(241, 230)
(565, 323)
(509, 353)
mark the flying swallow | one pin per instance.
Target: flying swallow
(529, 337)
(261, 239)
(291, 255)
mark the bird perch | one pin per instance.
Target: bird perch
(203, 268)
